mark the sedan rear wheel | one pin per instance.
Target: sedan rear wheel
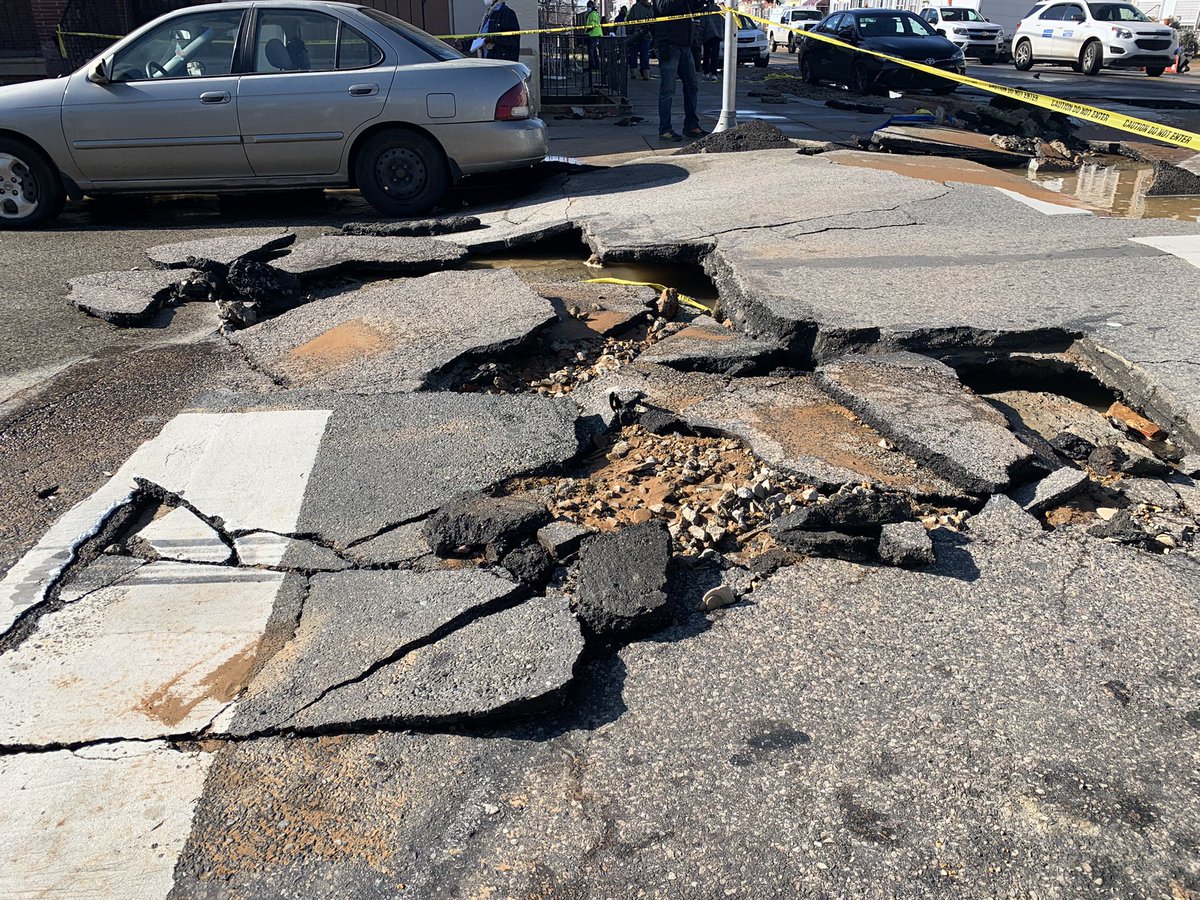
(860, 80)
(807, 75)
(1023, 56)
(401, 173)
(1092, 58)
(30, 190)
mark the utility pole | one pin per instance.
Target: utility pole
(729, 87)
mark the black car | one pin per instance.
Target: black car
(895, 32)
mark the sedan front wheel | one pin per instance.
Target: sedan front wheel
(30, 190)
(401, 172)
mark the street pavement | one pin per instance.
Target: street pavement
(232, 664)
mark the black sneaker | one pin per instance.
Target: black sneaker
(670, 136)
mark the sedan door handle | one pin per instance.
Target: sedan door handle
(214, 97)
(363, 90)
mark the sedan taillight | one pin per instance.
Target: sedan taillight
(514, 104)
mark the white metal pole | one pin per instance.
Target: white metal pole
(729, 87)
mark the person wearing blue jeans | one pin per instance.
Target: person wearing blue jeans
(673, 44)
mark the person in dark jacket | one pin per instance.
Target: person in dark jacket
(499, 16)
(673, 43)
(711, 30)
(639, 38)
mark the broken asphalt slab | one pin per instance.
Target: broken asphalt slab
(126, 298)
(620, 587)
(706, 346)
(333, 254)
(920, 404)
(401, 335)
(261, 246)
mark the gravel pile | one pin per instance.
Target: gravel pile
(753, 135)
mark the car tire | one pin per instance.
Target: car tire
(31, 190)
(807, 75)
(761, 62)
(948, 88)
(860, 83)
(1155, 71)
(791, 44)
(774, 45)
(1023, 56)
(1091, 58)
(401, 172)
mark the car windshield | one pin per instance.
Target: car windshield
(747, 24)
(892, 24)
(1117, 12)
(439, 50)
(962, 15)
(806, 15)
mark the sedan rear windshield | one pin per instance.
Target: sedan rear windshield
(891, 24)
(437, 49)
(1117, 12)
(962, 15)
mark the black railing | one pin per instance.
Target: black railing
(18, 37)
(571, 73)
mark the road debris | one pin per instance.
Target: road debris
(126, 298)
(754, 134)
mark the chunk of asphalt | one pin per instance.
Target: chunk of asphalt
(591, 310)
(1127, 458)
(852, 512)
(621, 582)
(397, 546)
(262, 548)
(391, 459)
(359, 624)
(834, 544)
(1053, 490)
(920, 404)
(561, 539)
(183, 536)
(334, 254)
(125, 298)
(530, 565)
(397, 336)
(260, 246)
(1072, 446)
(1148, 491)
(792, 424)
(706, 346)
(1190, 465)
(474, 521)
(414, 227)
(1122, 529)
(906, 544)
(101, 572)
(262, 283)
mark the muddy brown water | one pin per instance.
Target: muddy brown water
(1118, 186)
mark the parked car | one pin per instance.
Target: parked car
(270, 94)
(967, 30)
(784, 19)
(896, 32)
(751, 44)
(1092, 36)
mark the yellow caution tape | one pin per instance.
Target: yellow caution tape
(1119, 121)
(560, 29)
(683, 298)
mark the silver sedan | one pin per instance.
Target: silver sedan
(260, 95)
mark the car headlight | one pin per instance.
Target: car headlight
(1123, 33)
(958, 56)
(960, 31)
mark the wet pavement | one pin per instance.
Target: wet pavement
(478, 582)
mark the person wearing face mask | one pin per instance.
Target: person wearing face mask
(498, 17)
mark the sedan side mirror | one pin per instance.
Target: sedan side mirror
(101, 72)
(846, 33)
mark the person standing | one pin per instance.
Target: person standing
(619, 21)
(498, 16)
(711, 30)
(592, 31)
(639, 38)
(673, 43)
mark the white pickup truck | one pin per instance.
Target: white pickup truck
(969, 31)
(784, 19)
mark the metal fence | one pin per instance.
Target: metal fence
(18, 37)
(569, 75)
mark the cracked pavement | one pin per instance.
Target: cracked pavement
(729, 605)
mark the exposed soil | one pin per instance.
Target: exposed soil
(753, 135)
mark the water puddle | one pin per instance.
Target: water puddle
(1118, 186)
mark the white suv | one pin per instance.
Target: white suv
(751, 44)
(967, 30)
(1090, 36)
(784, 19)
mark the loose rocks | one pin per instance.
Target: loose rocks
(472, 522)
(621, 582)
(920, 404)
(263, 284)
